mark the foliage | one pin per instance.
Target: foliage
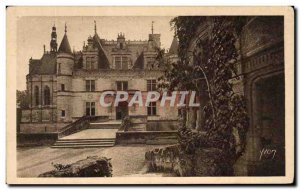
(126, 123)
(23, 99)
(214, 62)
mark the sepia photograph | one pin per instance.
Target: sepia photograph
(143, 96)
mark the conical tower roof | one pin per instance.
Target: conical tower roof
(64, 46)
(174, 46)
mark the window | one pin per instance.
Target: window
(117, 62)
(46, 95)
(150, 62)
(90, 85)
(90, 108)
(121, 63)
(62, 87)
(36, 95)
(122, 85)
(124, 63)
(151, 85)
(151, 109)
(63, 113)
(90, 63)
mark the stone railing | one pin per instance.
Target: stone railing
(79, 125)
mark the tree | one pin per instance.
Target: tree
(23, 99)
(214, 61)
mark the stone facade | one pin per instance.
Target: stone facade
(65, 85)
(261, 80)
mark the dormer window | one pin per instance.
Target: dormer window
(121, 62)
(90, 63)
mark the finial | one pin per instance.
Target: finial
(95, 28)
(65, 27)
(152, 27)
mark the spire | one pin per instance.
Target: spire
(174, 46)
(95, 27)
(152, 27)
(64, 46)
(53, 42)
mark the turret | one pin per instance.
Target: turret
(65, 58)
(154, 39)
(53, 42)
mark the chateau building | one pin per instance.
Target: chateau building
(65, 85)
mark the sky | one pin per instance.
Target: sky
(35, 32)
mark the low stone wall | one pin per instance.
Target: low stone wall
(205, 162)
(146, 137)
(162, 125)
(36, 139)
(41, 127)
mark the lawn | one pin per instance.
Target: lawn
(126, 160)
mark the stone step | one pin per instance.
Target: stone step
(74, 142)
(84, 143)
(86, 140)
(82, 146)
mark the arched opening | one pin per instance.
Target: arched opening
(268, 126)
(36, 96)
(46, 95)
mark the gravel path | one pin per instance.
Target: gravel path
(126, 160)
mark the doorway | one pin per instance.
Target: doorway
(122, 110)
(269, 119)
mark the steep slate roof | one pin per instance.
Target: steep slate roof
(64, 46)
(139, 63)
(46, 65)
(103, 60)
(174, 46)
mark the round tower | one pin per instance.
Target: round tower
(65, 58)
(65, 65)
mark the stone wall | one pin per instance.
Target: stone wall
(41, 127)
(162, 125)
(146, 137)
(38, 139)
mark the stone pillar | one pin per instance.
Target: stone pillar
(198, 120)
(192, 118)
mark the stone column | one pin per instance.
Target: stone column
(198, 120)
(192, 118)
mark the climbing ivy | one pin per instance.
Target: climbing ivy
(214, 64)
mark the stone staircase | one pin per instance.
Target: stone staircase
(84, 143)
(97, 134)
